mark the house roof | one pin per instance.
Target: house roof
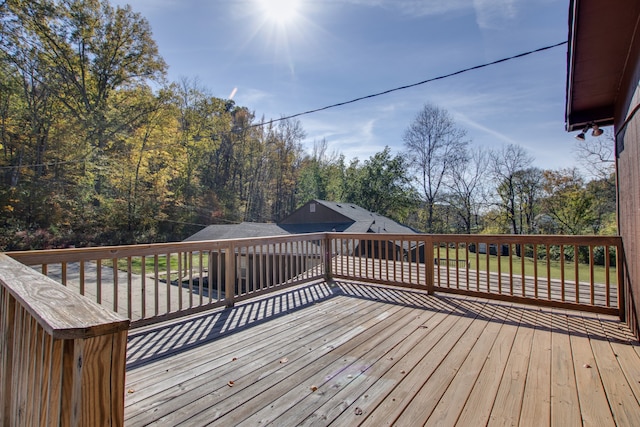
(347, 217)
(601, 34)
(237, 231)
(342, 217)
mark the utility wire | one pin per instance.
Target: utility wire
(444, 76)
(373, 95)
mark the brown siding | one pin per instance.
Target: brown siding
(628, 166)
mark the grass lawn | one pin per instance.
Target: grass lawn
(599, 271)
(150, 262)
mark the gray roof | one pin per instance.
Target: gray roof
(359, 220)
(237, 231)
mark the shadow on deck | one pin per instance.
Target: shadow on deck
(349, 354)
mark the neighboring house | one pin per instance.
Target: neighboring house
(316, 216)
(603, 88)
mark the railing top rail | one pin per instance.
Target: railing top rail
(551, 239)
(108, 252)
(61, 312)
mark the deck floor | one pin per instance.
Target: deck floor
(353, 354)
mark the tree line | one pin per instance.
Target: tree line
(97, 147)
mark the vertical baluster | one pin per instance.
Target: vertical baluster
(510, 251)
(168, 281)
(143, 286)
(576, 260)
(607, 277)
(156, 282)
(190, 273)
(179, 281)
(114, 269)
(487, 256)
(129, 283)
(99, 281)
(535, 271)
(562, 272)
(81, 277)
(200, 277)
(499, 258)
(591, 276)
(522, 267)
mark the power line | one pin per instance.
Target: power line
(444, 76)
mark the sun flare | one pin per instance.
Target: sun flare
(279, 11)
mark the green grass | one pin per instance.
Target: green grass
(555, 270)
(599, 272)
(149, 264)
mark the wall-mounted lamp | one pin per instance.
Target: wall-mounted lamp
(596, 131)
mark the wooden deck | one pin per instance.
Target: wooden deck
(353, 354)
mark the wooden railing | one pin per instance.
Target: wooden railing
(151, 283)
(62, 357)
(156, 282)
(577, 272)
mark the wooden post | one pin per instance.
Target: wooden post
(229, 275)
(620, 269)
(62, 357)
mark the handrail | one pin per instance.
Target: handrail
(175, 279)
(156, 282)
(62, 357)
(548, 270)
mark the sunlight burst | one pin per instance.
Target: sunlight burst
(280, 11)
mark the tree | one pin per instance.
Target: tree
(568, 202)
(466, 193)
(510, 168)
(315, 174)
(90, 50)
(596, 154)
(284, 154)
(380, 184)
(434, 143)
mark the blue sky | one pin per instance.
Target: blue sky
(320, 52)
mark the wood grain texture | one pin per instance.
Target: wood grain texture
(62, 313)
(350, 354)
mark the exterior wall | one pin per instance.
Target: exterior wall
(315, 213)
(627, 129)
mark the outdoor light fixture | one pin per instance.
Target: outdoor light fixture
(596, 131)
(581, 135)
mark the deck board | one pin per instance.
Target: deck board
(354, 354)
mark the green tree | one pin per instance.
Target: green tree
(91, 50)
(381, 185)
(568, 202)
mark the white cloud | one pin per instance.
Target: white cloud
(418, 7)
(495, 14)
(490, 14)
